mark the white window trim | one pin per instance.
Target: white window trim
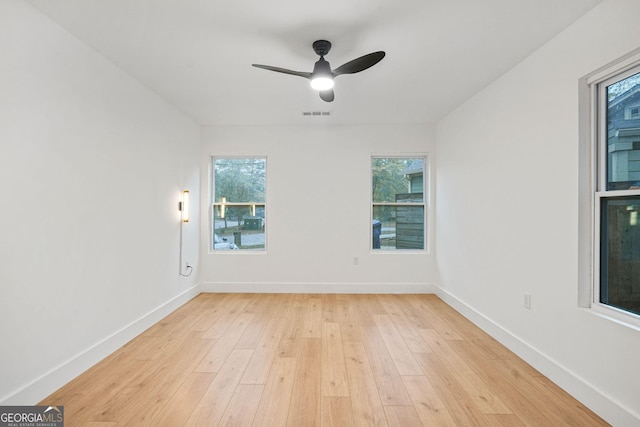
(426, 197)
(597, 178)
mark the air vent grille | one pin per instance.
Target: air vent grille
(316, 113)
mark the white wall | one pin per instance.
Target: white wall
(91, 168)
(507, 209)
(318, 211)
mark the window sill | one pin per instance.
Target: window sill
(615, 315)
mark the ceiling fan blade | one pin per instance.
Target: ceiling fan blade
(359, 64)
(284, 70)
(327, 95)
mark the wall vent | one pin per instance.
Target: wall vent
(316, 113)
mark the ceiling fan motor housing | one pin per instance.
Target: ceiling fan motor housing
(322, 47)
(322, 68)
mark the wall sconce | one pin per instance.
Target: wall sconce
(183, 206)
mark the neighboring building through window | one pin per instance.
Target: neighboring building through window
(618, 191)
(239, 203)
(398, 203)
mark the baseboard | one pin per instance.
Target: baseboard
(43, 386)
(601, 404)
(318, 288)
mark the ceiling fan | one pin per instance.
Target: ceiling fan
(322, 75)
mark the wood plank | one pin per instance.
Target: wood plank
(274, 404)
(243, 406)
(557, 406)
(221, 349)
(389, 382)
(429, 305)
(402, 416)
(409, 333)
(329, 307)
(458, 403)
(99, 384)
(505, 420)
(403, 359)
(348, 320)
(337, 411)
(360, 308)
(213, 403)
(313, 318)
(258, 368)
(94, 424)
(153, 394)
(117, 398)
(449, 357)
(334, 374)
(292, 332)
(482, 396)
(574, 412)
(499, 380)
(429, 407)
(180, 406)
(226, 315)
(253, 332)
(304, 409)
(366, 403)
(414, 315)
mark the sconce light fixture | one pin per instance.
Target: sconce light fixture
(184, 206)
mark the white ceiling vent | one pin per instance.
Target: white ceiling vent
(316, 113)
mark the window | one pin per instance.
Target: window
(239, 203)
(398, 208)
(617, 195)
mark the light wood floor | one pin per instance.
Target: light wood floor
(330, 360)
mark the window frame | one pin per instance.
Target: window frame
(213, 204)
(425, 204)
(596, 85)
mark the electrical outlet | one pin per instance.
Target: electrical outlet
(527, 301)
(356, 261)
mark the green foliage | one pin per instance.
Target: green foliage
(388, 178)
(240, 180)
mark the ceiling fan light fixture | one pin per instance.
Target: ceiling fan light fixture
(322, 77)
(322, 83)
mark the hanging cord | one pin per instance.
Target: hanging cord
(188, 273)
(188, 268)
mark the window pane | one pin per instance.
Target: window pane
(239, 204)
(623, 134)
(238, 227)
(620, 253)
(240, 180)
(397, 180)
(398, 227)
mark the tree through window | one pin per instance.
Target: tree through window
(239, 206)
(398, 203)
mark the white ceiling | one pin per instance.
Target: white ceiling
(197, 54)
